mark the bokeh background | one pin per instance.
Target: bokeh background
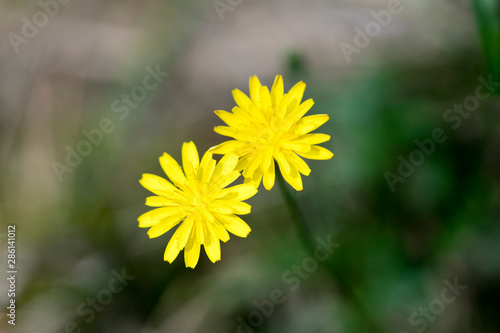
(396, 250)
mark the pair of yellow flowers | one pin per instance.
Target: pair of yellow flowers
(268, 126)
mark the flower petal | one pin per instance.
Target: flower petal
(265, 99)
(224, 181)
(282, 162)
(225, 166)
(207, 167)
(277, 90)
(237, 193)
(298, 163)
(192, 252)
(152, 217)
(190, 159)
(229, 118)
(293, 178)
(220, 231)
(317, 153)
(226, 131)
(171, 251)
(254, 89)
(236, 207)
(164, 225)
(267, 157)
(212, 245)
(297, 146)
(297, 91)
(184, 231)
(313, 139)
(155, 201)
(241, 99)
(310, 123)
(172, 169)
(302, 109)
(156, 184)
(226, 147)
(234, 224)
(269, 177)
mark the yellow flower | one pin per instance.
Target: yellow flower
(270, 126)
(197, 197)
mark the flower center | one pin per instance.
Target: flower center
(270, 133)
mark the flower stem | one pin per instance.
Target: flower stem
(306, 237)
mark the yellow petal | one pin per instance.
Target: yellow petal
(297, 91)
(190, 159)
(145, 220)
(225, 166)
(155, 184)
(302, 109)
(219, 231)
(269, 177)
(234, 224)
(253, 165)
(229, 118)
(296, 94)
(224, 181)
(265, 98)
(198, 230)
(242, 114)
(161, 213)
(310, 123)
(255, 178)
(171, 251)
(293, 178)
(155, 201)
(258, 114)
(237, 193)
(241, 99)
(153, 216)
(282, 162)
(184, 231)
(281, 108)
(219, 209)
(236, 207)
(277, 90)
(226, 131)
(207, 167)
(212, 245)
(254, 89)
(297, 146)
(298, 163)
(192, 253)
(267, 157)
(313, 139)
(172, 169)
(317, 153)
(164, 225)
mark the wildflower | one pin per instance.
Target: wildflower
(197, 198)
(268, 127)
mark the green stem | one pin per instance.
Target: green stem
(306, 237)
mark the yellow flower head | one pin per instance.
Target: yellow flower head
(197, 198)
(271, 126)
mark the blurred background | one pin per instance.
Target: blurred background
(93, 92)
